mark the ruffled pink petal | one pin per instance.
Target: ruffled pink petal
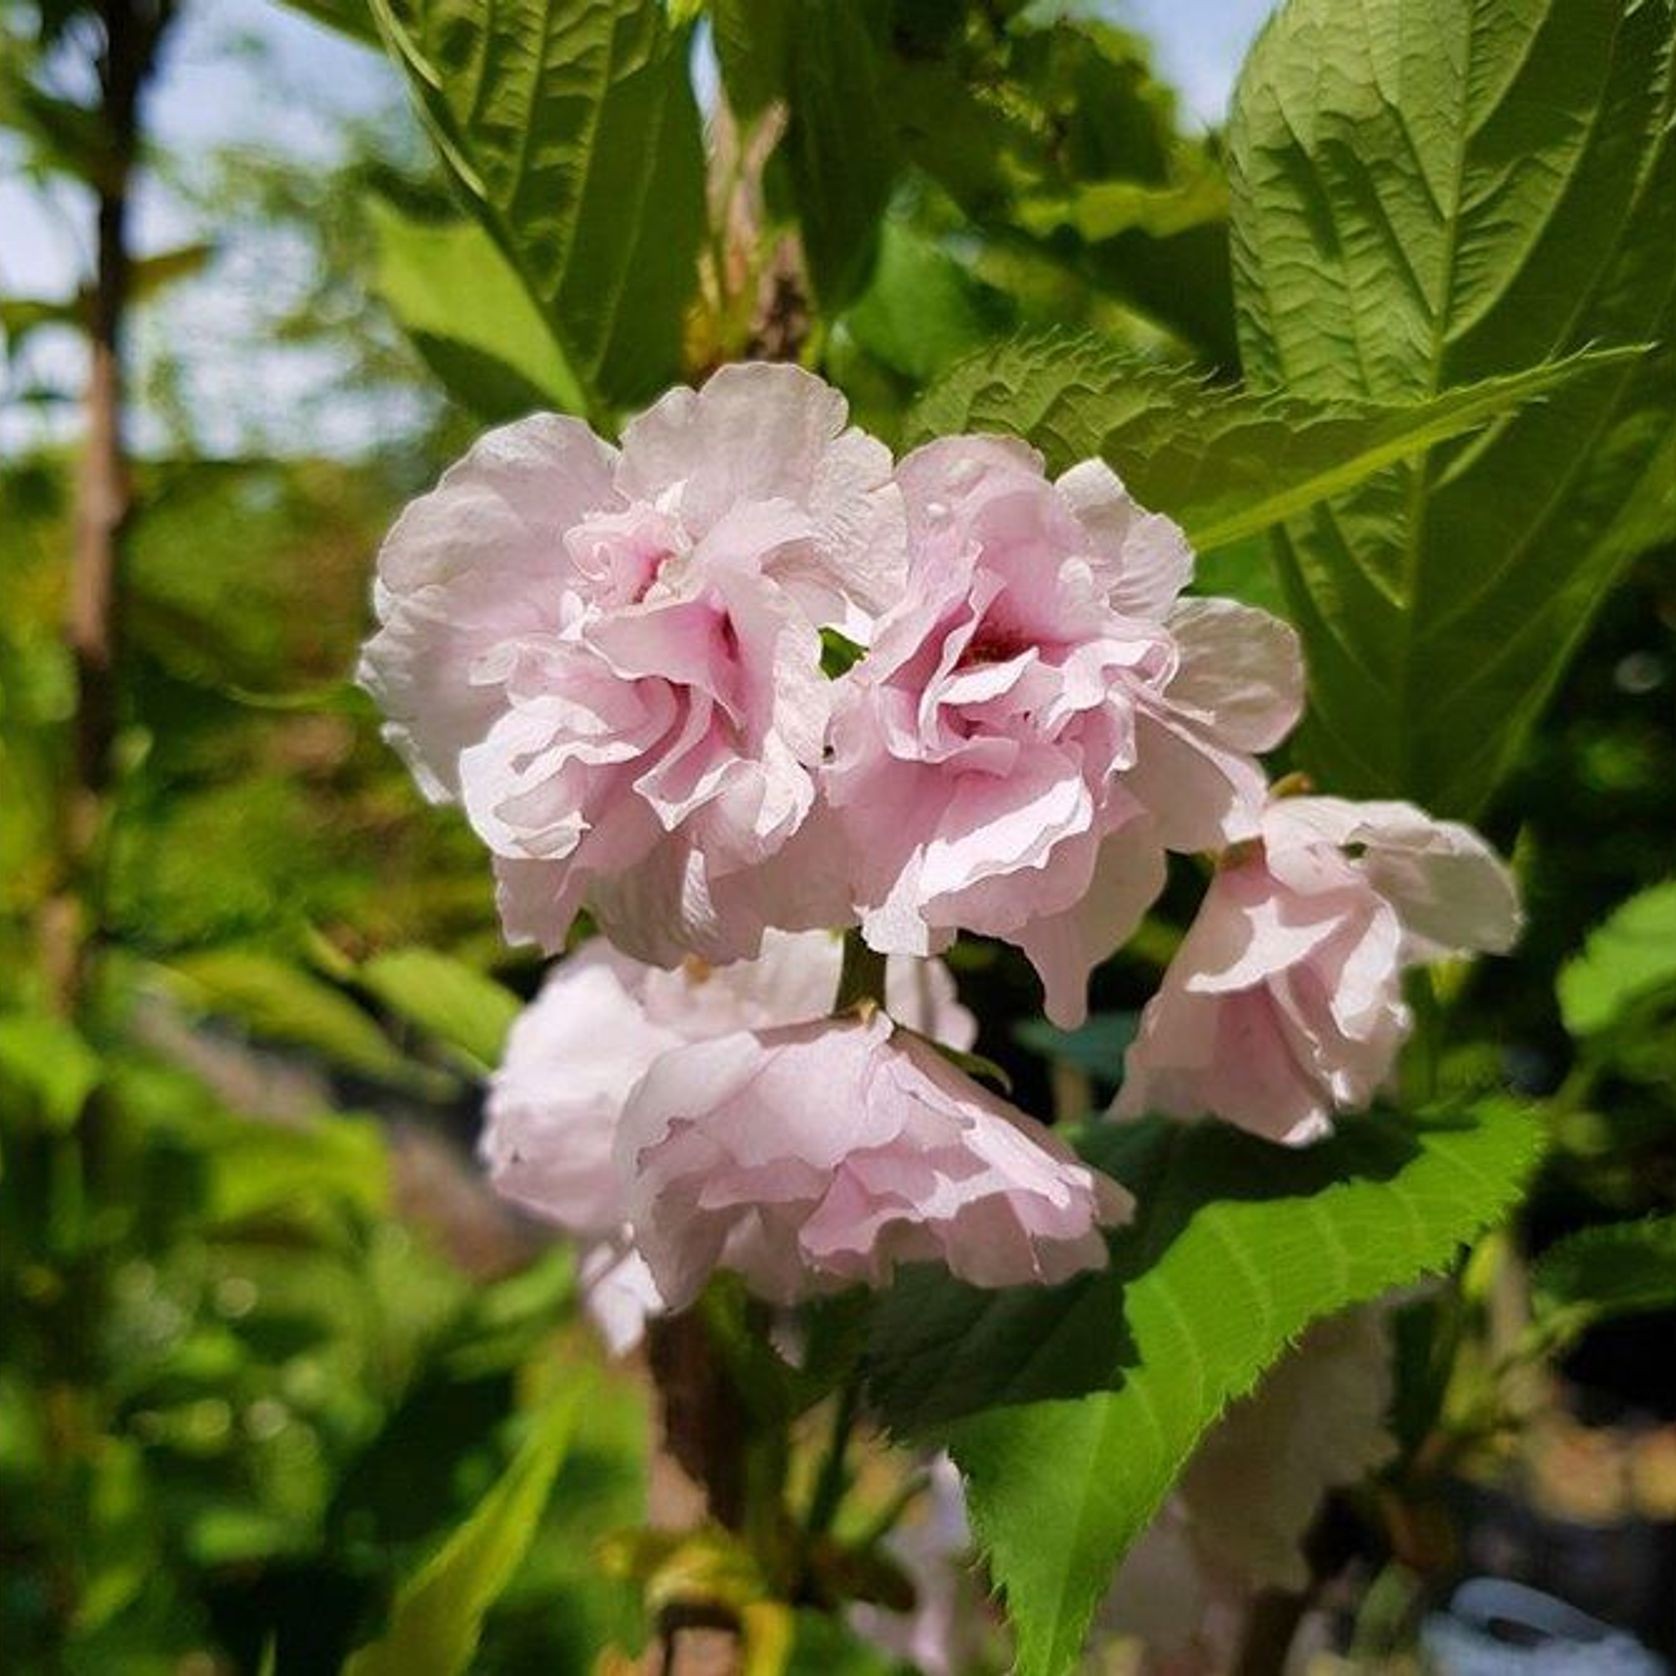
(477, 562)
(1141, 559)
(822, 1155)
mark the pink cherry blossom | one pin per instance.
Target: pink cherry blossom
(1284, 1002)
(600, 1022)
(613, 659)
(820, 1155)
(1039, 719)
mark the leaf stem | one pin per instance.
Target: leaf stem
(833, 1478)
(862, 976)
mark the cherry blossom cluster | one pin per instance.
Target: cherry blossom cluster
(745, 682)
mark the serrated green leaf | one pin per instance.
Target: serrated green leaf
(573, 133)
(1225, 464)
(1428, 193)
(1601, 1274)
(1071, 1411)
(438, 1616)
(444, 998)
(468, 313)
(1628, 958)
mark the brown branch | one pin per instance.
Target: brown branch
(697, 1473)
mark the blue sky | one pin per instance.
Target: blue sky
(251, 72)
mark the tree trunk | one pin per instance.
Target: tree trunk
(104, 499)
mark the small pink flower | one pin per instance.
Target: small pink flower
(1039, 720)
(819, 1156)
(613, 659)
(1284, 1002)
(600, 1022)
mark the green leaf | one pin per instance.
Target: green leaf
(1071, 1411)
(50, 1060)
(573, 133)
(923, 310)
(1095, 1047)
(438, 1616)
(349, 17)
(1426, 194)
(277, 1000)
(1225, 464)
(1627, 959)
(444, 998)
(260, 1168)
(19, 316)
(469, 315)
(1103, 209)
(64, 135)
(840, 145)
(839, 654)
(151, 274)
(1600, 1274)
(753, 49)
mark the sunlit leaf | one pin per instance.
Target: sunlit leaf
(470, 316)
(573, 134)
(1629, 958)
(1427, 194)
(1225, 464)
(49, 1059)
(281, 1002)
(438, 1616)
(444, 998)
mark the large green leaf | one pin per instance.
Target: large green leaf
(1225, 464)
(1071, 1411)
(573, 133)
(1427, 193)
(840, 145)
(438, 1616)
(469, 315)
(1629, 958)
